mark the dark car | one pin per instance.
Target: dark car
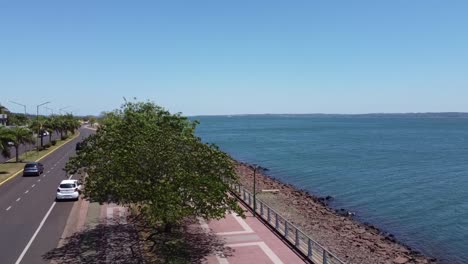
(33, 168)
(79, 146)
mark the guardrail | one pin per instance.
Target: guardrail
(307, 246)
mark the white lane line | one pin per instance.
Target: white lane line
(35, 234)
(26, 191)
(32, 186)
(43, 176)
(18, 199)
(9, 207)
(48, 171)
(39, 180)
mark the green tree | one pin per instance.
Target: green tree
(142, 155)
(37, 125)
(3, 110)
(92, 121)
(4, 139)
(19, 136)
(15, 119)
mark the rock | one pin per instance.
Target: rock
(328, 198)
(343, 212)
(361, 231)
(401, 260)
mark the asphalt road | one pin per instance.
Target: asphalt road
(27, 203)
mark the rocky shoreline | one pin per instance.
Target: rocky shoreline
(350, 240)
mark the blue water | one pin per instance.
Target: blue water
(406, 175)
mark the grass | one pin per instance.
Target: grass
(10, 167)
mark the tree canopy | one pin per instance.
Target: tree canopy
(144, 156)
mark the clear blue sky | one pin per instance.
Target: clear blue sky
(236, 57)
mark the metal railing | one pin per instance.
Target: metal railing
(303, 243)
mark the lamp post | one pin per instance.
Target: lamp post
(37, 119)
(256, 168)
(21, 105)
(60, 110)
(50, 109)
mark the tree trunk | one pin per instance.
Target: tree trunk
(42, 139)
(168, 227)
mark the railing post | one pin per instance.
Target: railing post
(286, 228)
(261, 208)
(297, 237)
(243, 194)
(324, 256)
(276, 221)
(309, 248)
(250, 200)
(268, 212)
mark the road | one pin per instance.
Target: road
(31, 222)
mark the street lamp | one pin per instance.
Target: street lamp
(37, 119)
(255, 167)
(21, 105)
(50, 109)
(60, 110)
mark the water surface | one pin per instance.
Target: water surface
(407, 175)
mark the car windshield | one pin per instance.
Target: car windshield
(67, 185)
(32, 165)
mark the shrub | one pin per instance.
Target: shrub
(48, 145)
(64, 137)
(54, 142)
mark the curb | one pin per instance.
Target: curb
(18, 172)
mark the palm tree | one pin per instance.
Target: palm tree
(4, 139)
(19, 136)
(38, 126)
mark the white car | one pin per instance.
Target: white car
(68, 189)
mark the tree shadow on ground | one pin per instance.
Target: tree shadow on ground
(188, 244)
(101, 244)
(121, 243)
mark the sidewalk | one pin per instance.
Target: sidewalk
(96, 234)
(249, 241)
(100, 234)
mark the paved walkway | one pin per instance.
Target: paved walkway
(250, 241)
(105, 237)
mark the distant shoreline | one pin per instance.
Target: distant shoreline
(402, 115)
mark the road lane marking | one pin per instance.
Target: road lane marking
(18, 199)
(26, 191)
(43, 176)
(39, 180)
(48, 171)
(35, 234)
(9, 207)
(32, 186)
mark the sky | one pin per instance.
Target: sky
(236, 57)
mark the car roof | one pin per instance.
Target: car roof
(67, 181)
(32, 163)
